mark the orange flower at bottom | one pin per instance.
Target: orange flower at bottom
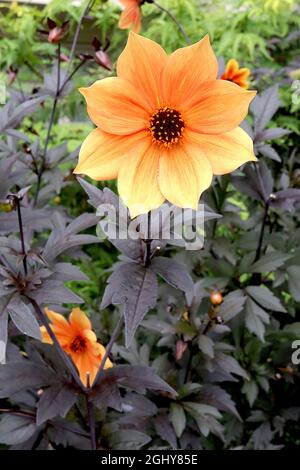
(233, 73)
(131, 15)
(78, 340)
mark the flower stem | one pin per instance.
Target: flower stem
(262, 231)
(60, 350)
(51, 121)
(20, 221)
(172, 17)
(68, 78)
(91, 420)
(88, 7)
(192, 349)
(112, 340)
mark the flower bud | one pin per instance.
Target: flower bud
(216, 297)
(181, 347)
(102, 58)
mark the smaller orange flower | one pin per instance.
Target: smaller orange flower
(233, 73)
(78, 340)
(131, 17)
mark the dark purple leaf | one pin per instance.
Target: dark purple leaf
(264, 106)
(17, 376)
(23, 318)
(264, 297)
(54, 401)
(106, 394)
(138, 405)
(135, 288)
(137, 378)
(54, 292)
(95, 195)
(273, 133)
(215, 396)
(16, 429)
(165, 430)
(175, 274)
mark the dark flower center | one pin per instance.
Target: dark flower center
(166, 126)
(78, 344)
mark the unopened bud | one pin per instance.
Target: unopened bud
(7, 206)
(102, 59)
(216, 297)
(181, 347)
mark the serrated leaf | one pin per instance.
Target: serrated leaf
(175, 274)
(106, 394)
(17, 376)
(68, 272)
(232, 304)
(201, 408)
(264, 107)
(229, 364)
(54, 292)
(266, 298)
(17, 113)
(269, 262)
(262, 436)
(255, 319)
(165, 430)
(135, 288)
(16, 429)
(23, 318)
(137, 378)
(54, 401)
(250, 389)
(95, 195)
(274, 133)
(216, 396)
(138, 405)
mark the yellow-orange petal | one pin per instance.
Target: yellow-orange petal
(90, 336)
(85, 366)
(131, 16)
(138, 179)
(98, 350)
(242, 74)
(184, 173)
(141, 63)
(232, 67)
(186, 69)
(102, 154)
(56, 318)
(116, 107)
(79, 319)
(217, 107)
(225, 152)
(45, 336)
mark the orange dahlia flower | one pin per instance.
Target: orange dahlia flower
(233, 73)
(78, 340)
(131, 16)
(165, 125)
